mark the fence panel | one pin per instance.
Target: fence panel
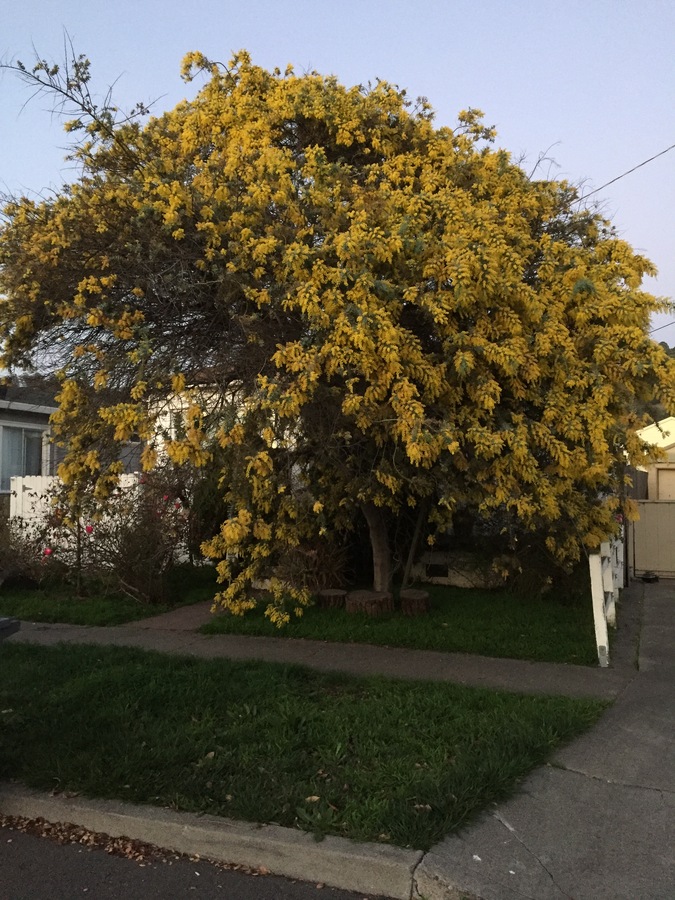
(30, 503)
(653, 538)
(28, 494)
(27, 499)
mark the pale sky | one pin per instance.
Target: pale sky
(588, 83)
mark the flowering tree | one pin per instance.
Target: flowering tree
(364, 312)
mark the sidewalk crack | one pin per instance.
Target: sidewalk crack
(467, 893)
(413, 874)
(498, 816)
(628, 784)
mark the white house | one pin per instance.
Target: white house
(25, 448)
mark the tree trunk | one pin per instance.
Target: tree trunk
(332, 598)
(424, 508)
(414, 603)
(78, 554)
(379, 542)
(371, 603)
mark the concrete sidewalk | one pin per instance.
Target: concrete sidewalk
(176, 632)
(596, 823)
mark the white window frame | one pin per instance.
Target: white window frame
(26, 426)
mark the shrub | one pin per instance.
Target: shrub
(126, 544)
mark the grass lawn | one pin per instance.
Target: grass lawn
(371, 759)
(490, 623)
(59, 603)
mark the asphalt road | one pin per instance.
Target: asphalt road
(38, 868)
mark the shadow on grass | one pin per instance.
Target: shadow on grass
(59, 603)
(489, 623)
(370, 759)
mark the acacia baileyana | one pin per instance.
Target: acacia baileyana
(361, 311)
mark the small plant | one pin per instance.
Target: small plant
(316, 565)
(127, 543)
(27, 555)
(138, 538)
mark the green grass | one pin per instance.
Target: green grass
(386, 760)
(490, 623)
(59, 603)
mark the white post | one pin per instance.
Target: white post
(46, 454)
(608, 569)
(617, 579)
(598, 596)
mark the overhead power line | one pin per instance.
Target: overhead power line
(623, 175)
(661, 327)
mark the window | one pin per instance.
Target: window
(20, 454)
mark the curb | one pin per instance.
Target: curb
(338, 862)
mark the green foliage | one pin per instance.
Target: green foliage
(497, 623)
(56, 601)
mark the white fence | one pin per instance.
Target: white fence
(28, 497)
(30, 502)
(607, 575)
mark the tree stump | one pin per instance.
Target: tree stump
(372, 603)
(332, 598)
(414, 602)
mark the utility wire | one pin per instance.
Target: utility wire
(661, 327)
(619, 177)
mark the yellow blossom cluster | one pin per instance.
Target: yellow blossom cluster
(407, 320)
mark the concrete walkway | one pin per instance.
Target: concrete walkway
(176, 632)
(596, 823)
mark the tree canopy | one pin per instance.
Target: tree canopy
(364, 312)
